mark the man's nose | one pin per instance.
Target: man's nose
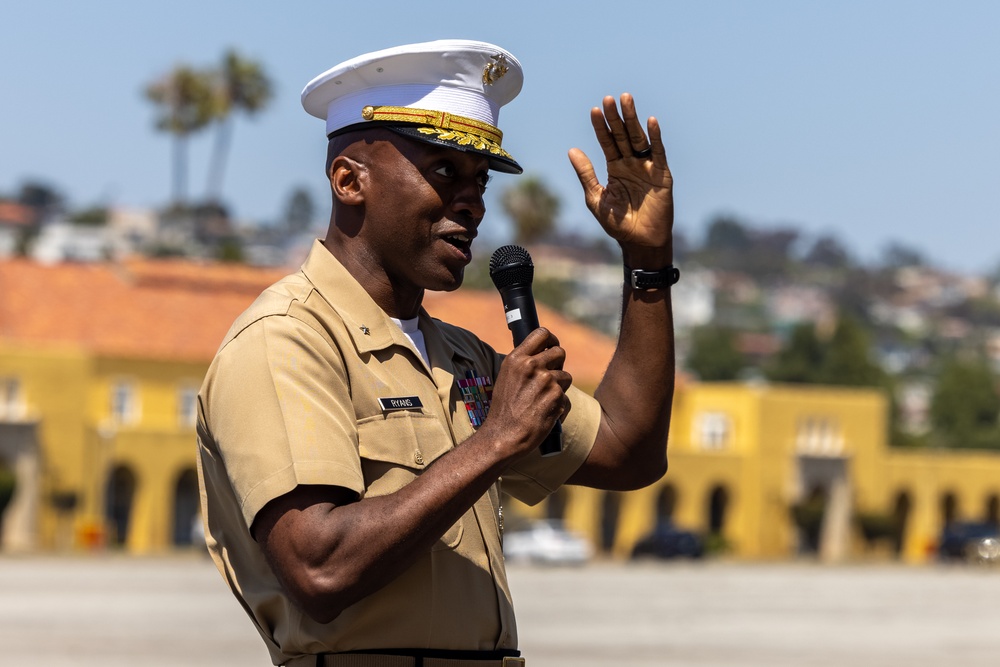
(469, 200)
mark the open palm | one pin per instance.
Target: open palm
(636, 206)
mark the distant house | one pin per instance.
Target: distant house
(16, 220)
(63, 241)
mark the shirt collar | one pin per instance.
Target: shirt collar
(369, 326)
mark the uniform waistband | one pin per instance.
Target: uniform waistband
(414, 659)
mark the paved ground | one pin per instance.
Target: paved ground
(116, 611)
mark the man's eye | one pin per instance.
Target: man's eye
(447, 171)
(484, 180)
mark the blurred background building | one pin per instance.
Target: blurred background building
(100, 364)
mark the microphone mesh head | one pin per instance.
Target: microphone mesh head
(511, 265)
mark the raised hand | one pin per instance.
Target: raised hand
(636, 207)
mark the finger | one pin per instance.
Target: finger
(584, 169)
(538, 341)
(603, 133)
(659, 155)
(563, 379)
(617, 127)
(552, 358)
(636, 135)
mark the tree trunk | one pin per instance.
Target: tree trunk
(217, 167)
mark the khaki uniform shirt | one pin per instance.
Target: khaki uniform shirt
(292, 398)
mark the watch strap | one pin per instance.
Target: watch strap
(643, 279)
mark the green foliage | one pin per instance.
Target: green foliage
(239, 85)
(532, 207)
(299, 211)
(714, 356)
(844, 360)
(847, 361)
(553, 292)
(230, 250)
(965, 407)
(94, 216)
(477, 273)
(762, 254)
(800, 360)
(184, 100)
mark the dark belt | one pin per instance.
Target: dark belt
(420, 659)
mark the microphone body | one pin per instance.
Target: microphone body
(512, 272)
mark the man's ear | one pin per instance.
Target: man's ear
(348, 180)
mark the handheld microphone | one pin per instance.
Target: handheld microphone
(512, 272)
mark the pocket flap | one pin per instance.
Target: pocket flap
(404, 438)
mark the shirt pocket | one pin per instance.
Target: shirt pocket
(395, 449)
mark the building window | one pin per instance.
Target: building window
(187, 406)
(124, 402)
(12, 406)
(713, 430)
(819, 436)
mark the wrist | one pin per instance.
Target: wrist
(646, 258)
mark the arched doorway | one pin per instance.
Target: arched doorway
(992, 509)
(610, 511)
(8, 484)
(118, 497)
(186, 505)
(718, 503)
(666, 501)
(900, 516)
(808, 515)
(949, 508)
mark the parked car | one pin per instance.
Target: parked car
(548, 543)
(669, 541)
(970, 540)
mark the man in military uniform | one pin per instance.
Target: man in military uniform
(351, 501)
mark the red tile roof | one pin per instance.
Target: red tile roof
(180, 310)
(171, 309)
(587, 351)
(12, 213)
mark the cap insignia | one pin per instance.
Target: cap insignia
(494, 71)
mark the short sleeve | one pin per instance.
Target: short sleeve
(534, 477)
(278, 406)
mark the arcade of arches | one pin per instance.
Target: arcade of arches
(765, 472)
(776, 472)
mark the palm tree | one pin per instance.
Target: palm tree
(183, 98)
(532, 207)
(240, 85)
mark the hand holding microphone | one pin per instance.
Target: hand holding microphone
(512, 272)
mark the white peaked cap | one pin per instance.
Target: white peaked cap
(447, 92)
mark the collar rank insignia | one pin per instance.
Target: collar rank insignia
(477, 392)
(365, 330)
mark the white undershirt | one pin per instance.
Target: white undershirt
(414, 335)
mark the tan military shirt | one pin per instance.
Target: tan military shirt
(293, 397)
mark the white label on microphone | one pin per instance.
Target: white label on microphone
(513, 315)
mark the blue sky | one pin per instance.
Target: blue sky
(873, 121)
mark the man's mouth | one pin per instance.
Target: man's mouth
(460, 241)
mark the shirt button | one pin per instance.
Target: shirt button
(418, 458)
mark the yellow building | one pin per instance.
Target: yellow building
(100, 367)
(99, 371)
(746, 459)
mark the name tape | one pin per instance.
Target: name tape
(400, 403)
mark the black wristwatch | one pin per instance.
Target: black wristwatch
(642, 279)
